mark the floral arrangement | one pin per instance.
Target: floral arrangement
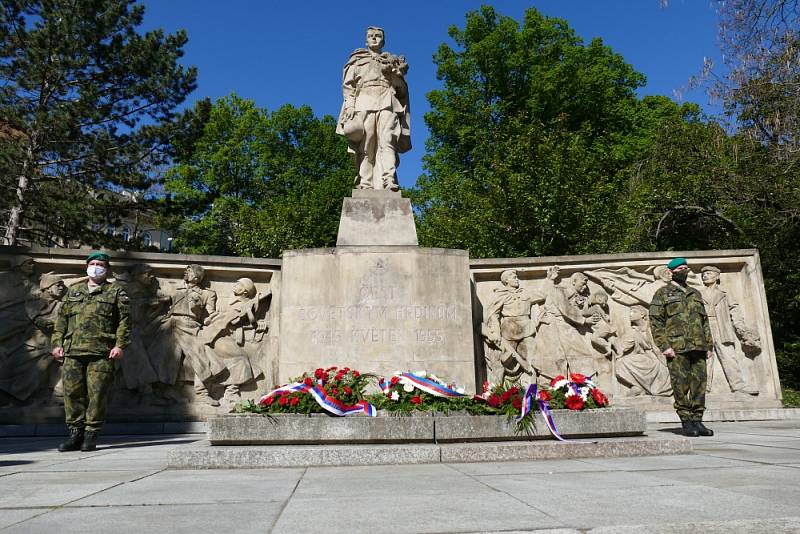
(422, 391)
(576, 393)
(342, 392)
(339, 391)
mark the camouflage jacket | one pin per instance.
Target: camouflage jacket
(678, 320)
(93, 323)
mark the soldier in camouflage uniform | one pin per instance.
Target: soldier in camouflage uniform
(92, 329)
(679, 324)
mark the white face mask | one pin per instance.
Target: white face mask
(95, 271)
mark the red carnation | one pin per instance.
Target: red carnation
(577, 378)
(294, 401)
(308, 382)
(493, 401)
(269, 400)
(505, 396)
(416, 399)
(544, 395)
(285, 393)
(394, 380)
(556, 379)
(338, 376)
(574, 402)
(514, 390)
(283, 400)
(599, 397)
(319, 374)
(334, 391)
(347, 390)
(356, 374)
(517, 403)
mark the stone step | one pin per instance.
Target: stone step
(203, 455)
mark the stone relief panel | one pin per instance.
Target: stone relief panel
(540, 320)
(201, 334)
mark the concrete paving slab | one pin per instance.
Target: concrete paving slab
(532, 467)
(651, 505)
(751, 453)
(563, 482)
(658, 463)
(175, 519)
(13, 516)
(760, 526)
(411, 513)
(187, 487)
(435, 479)
(58, 489)
(773, 483)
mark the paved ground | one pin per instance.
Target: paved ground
(745, 479)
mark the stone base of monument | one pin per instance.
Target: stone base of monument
(207, 456)
(251, 429)
(247, 440)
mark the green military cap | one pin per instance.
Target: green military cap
(677, 262)
(102, 256)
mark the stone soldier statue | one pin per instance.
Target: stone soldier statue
(510, 328)
(375, 115)
(725, 322)
(680, 329)
(190, 307)
(92, 329)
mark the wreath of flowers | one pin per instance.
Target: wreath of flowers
(576, 393)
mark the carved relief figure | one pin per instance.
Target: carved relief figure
(639, 367)
(509, 328)
(26, 364)
(558, 336)
(147, 306)
(190, 307)
(375, 115)
(726, 321)
(604, 335)
(233, 335)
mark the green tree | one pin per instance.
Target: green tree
(255, 183)
(87, 105)
(530, 135)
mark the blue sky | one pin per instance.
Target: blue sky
(283, 52)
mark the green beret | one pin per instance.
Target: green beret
(677, 262)
(102, 256)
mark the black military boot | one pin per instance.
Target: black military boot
(702, 429)
(690, 429)
(73, 442)
(89, 442)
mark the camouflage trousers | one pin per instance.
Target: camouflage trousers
(87, 383)
(688, 373)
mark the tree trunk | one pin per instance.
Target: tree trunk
(17, 214)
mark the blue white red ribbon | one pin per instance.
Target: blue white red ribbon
(325, 401)
(423, 384)
(544, 407)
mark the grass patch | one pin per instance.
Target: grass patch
(791, 398)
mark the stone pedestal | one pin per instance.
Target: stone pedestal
(378, 309)
(376, 217)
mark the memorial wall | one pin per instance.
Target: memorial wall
(209, 332)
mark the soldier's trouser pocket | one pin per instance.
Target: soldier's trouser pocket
(87, 383)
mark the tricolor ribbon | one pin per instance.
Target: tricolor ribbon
(544, 407)
(423, 384)
(325, 401)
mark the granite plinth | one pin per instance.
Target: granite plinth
(206, 456)
(376, 217)
(250, 429)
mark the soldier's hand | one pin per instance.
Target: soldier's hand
(58, 353)
(669, 353)
(115, 354)
(710, 354)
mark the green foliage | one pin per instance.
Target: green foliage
(791, 398)
(254, 183)
(530, 137)
(87, 106)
